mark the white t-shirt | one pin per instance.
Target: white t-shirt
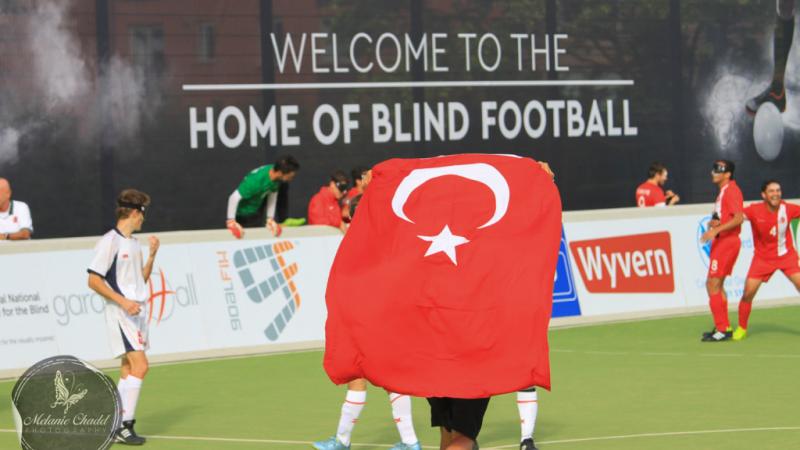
(18, 217)
(119, 261)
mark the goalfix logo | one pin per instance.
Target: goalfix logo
(280, 279)
(633, 263)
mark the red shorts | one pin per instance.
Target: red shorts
(724, 252)
(762, 268)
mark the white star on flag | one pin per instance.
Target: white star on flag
(445, 242)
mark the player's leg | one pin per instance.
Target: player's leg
(719, 309)
(722, 259)
(124, 371)
(795, 279)
(401, 412)
(445, 437)
(354, 402)
(138, 367)
(528, 407)
(132, 372)
(440, 418)
(459, 441)
(751, 287)
(782, 45)
(466, 422)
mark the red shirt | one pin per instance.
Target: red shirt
(772, 235)
(324, 209)
(729, 202)
(650, 194)
(352, 193)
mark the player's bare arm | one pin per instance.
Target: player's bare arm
(21, 235)
(713, 231)
(147, 269)
(97, 284)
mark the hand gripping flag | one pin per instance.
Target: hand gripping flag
(442, 286)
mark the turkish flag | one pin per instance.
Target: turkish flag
(443, 285)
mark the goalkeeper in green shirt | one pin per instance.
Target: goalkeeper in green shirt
(258, 186)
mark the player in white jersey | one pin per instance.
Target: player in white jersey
(118, 273)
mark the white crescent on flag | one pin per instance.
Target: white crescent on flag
(446, 242)
(480, 172)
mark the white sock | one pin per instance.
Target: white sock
(401, 411)
(122, 386)
(351, 408)
(131, 391)
(527, 403)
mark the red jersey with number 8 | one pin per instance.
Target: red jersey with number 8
(729, 202)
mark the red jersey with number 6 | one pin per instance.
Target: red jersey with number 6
(772, 235)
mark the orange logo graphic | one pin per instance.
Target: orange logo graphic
(154, 296)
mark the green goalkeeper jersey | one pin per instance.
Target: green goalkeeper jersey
(254, 188)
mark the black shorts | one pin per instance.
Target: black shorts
(459, 414)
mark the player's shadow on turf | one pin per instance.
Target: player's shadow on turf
(777, 329)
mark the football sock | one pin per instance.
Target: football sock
(401, 411)
(719, 309)
(744, 313)
(354, 402)
(528, 406)
(132, 388)
(121, 388)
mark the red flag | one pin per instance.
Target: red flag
(442, 286)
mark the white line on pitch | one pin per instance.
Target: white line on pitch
(401, 84)
(647, 435)
(247, 440)
(558, 441)
(716, 355)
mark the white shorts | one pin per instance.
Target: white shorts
(127, 333)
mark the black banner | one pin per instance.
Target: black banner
(181, 99)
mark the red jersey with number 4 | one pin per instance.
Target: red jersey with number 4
(772, 235)
(650, 194)
(729, 202)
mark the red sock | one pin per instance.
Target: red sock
(719, 309)
(744, 313)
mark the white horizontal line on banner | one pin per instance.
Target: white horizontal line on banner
(402, 84)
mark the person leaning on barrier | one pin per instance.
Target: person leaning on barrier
(324, 207)
(247, 202)
(15, 216)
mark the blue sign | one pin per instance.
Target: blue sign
(565, 296)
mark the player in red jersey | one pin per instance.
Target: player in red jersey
(774, 247)
(724, 228)
(651, 192)
(361, 178)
